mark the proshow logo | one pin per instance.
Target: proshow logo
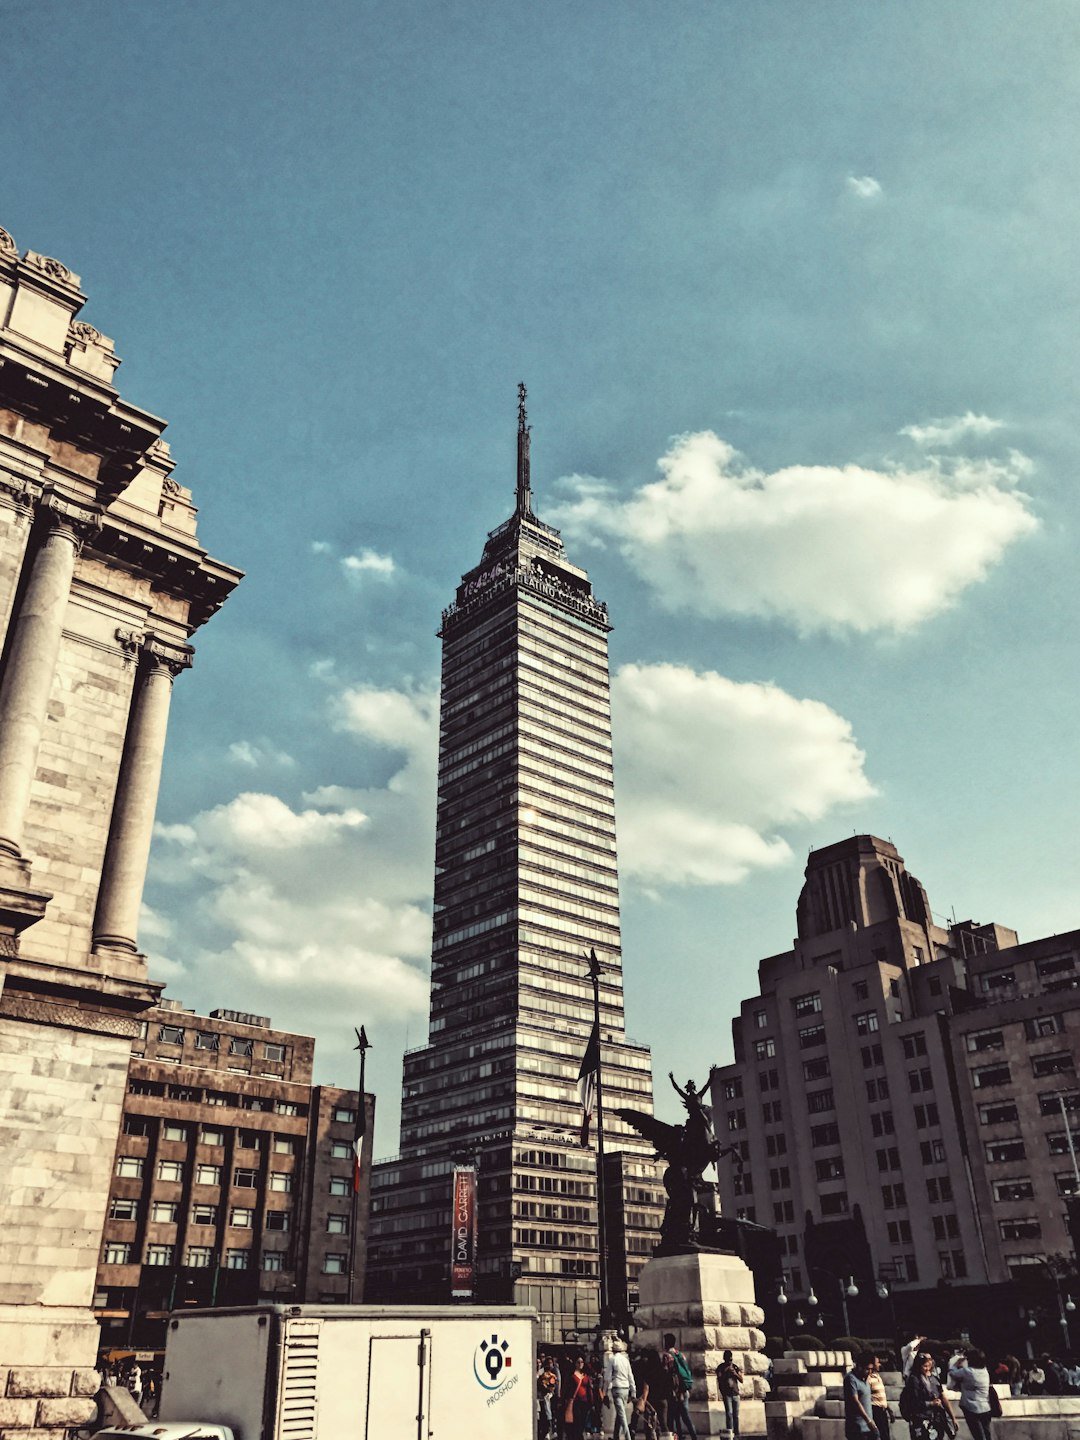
(491, 1361)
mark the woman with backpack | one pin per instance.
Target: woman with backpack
(682, 1379)
(924, 1404)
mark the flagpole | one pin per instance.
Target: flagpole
(601, 1201)
(363, 1045)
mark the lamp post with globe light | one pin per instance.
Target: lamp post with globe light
(782, 1300)
(848, 1291)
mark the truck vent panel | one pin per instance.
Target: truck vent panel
(299, 1381)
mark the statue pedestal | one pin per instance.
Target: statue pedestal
(707, 1302)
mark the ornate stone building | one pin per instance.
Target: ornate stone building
(102, 583)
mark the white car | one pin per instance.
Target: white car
(168, 1430)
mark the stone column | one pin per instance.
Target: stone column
(116, 924)
(31, 667)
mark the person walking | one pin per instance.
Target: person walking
(649, 1378)
(858, 1405)
(620, 1386)
(678, 1368)
(577, 1400)
(879, 1401)
(924, 1404)
(971, 1377)
(729, 1379)
(547, 1394)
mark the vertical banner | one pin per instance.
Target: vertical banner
(463, 1233)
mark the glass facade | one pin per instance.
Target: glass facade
(526, 883)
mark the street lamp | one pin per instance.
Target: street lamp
(799, 1321)
(782, 1300)
(883, 1291)
(1065, 1304)
(847, 1292)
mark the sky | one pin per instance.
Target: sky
(793, 289)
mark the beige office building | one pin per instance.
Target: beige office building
(902, 1097)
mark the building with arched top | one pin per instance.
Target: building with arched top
(904, 1097)
(103, 582)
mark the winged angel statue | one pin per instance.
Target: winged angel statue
(688, 1149)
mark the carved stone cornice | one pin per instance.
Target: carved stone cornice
(78, 409)
(8, 249)
(178, 569)
(54, 269)
(80, 330)
(19, 1006)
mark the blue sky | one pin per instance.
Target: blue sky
(794, 291)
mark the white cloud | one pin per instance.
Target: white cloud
(310, 905)
(710, 769)
(321, 547)
(368, 562)
(947, 431)
(154, 926)
(258, 754)
(865, 187)
(819, 547)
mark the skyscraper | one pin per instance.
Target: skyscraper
(526, 882)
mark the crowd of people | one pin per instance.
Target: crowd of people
(644, 1394)
(929, 1375)
(143, 1384)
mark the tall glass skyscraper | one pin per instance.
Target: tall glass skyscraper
(526, 883)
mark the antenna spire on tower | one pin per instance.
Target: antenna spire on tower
(524, 488)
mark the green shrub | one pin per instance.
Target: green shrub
(850, 1342)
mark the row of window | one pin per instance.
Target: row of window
(211, 1040)
(131, 1167)
(1060, 1062)
(167, 1212)
(197, 1094)
(201, 1257)
(211, 1134)
(1050, 969)
(810, 1004)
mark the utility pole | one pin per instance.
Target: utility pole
(363, 1044)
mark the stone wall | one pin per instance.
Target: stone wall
(60, 1099)
(61, 1093)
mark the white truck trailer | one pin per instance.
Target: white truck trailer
(354, 1372)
